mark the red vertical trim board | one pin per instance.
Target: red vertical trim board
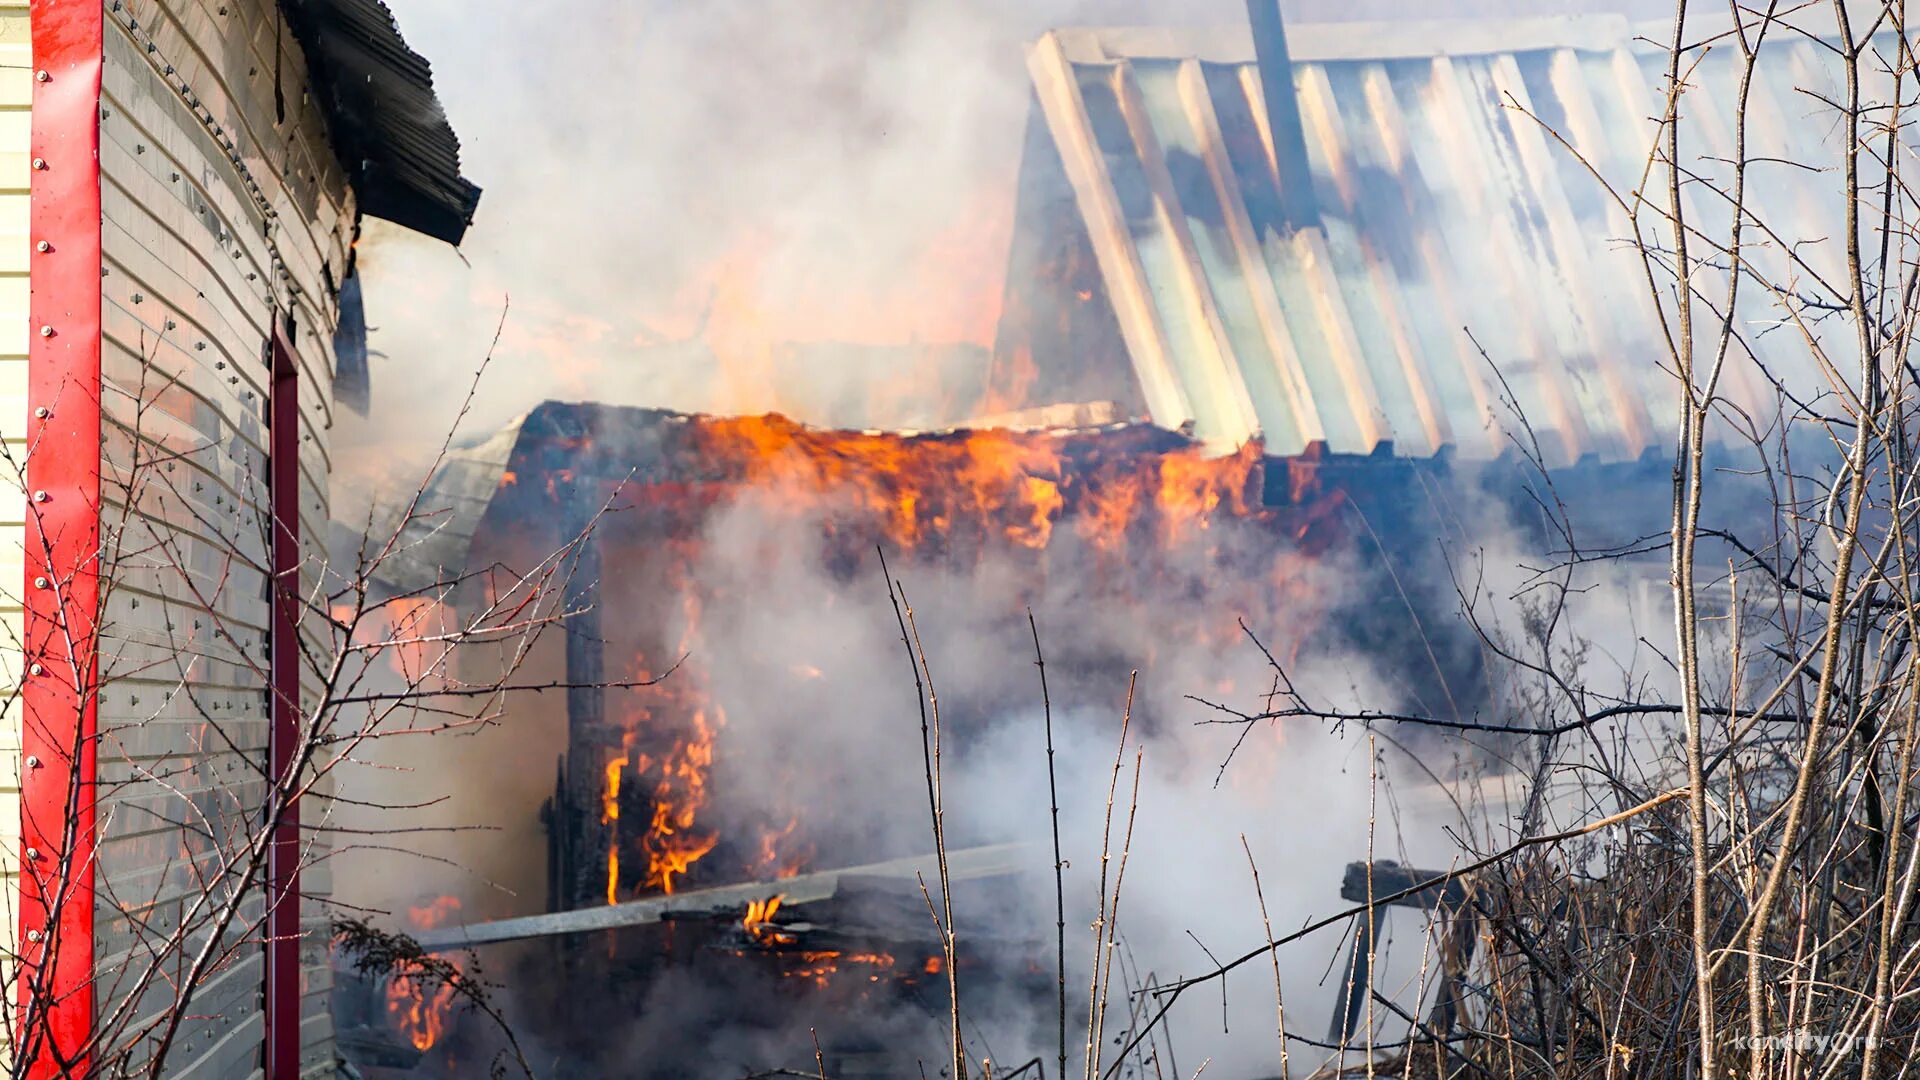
(60, 687)
(283, 858)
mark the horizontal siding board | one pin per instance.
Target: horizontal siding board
(139, 112)
(297, 244)
(140, 932)
(220, 1036)
(134, 616)
(229, 52)
(197, 265)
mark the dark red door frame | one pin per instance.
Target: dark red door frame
(60, 685)
(283, 857)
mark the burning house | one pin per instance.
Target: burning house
(1284, 305)
(708, 821)
(186, 183)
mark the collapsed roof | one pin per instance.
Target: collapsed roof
(383, 118)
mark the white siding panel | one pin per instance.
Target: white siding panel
(218, 219)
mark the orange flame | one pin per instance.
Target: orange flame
(434, 913)
(610, 815)
(1006, 483)
(610, 800)
(1144, 495)
(671, 843)
(778, 858)
(421, 1015)
(758, 922)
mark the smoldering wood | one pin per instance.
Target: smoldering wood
(966, 864)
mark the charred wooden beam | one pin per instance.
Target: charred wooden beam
(561, 817)
(1297, 200)
(1351, 1005)
(967, 864)
(1365, 881)
(575, 874)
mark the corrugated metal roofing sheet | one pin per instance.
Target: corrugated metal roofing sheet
(383, 118)
(434, 540)
(1446, 202)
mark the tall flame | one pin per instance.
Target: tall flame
(610, 815)
(610, 800)
(672, 843)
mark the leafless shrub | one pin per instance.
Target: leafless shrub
(183, 697)
(1726, 884)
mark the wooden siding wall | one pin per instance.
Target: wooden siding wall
(224, 209)
(16, 106)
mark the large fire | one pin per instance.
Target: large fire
(1118, 500)
(1013, 485)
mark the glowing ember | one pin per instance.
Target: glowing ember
(820, 966)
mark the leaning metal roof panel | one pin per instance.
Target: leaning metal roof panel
(383, 117)
(1451, 167)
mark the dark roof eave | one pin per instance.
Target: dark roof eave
(383, 118)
